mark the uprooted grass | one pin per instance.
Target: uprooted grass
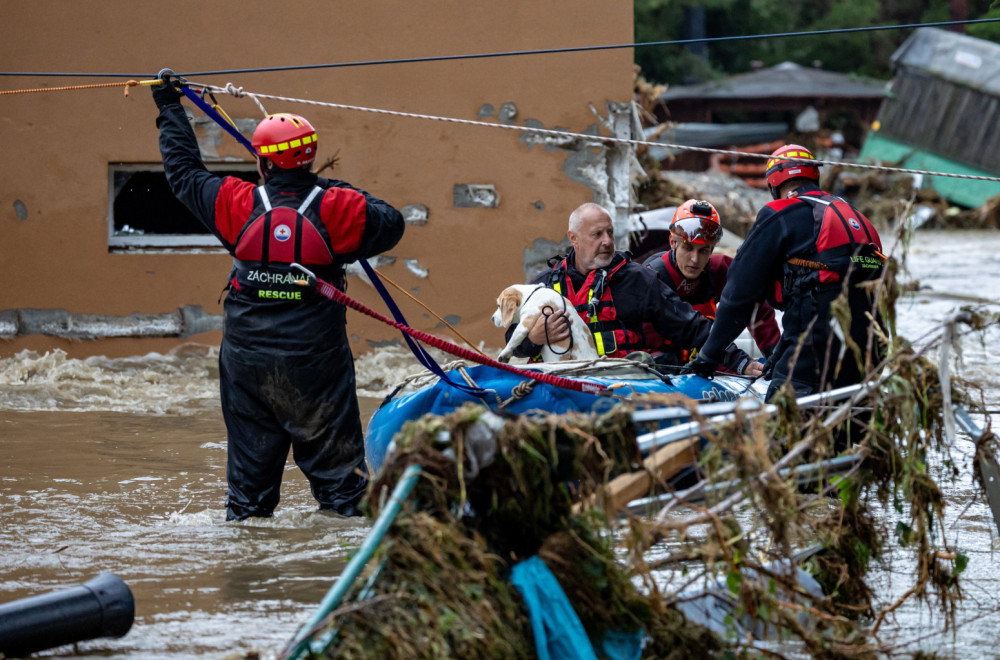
(442, 589)
(497, 489)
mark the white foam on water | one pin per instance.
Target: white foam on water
(378, 372)
(197, 518)
(184, 381)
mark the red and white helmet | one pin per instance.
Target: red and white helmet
(696, 221)
(780, 170)
(288, 140)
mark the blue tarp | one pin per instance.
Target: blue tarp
(559, 635)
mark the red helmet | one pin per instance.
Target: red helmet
(780, 170)
(696, 221)
(287, 139)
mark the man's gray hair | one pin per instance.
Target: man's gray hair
(574, 217)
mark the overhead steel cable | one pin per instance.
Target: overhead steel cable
(563, 135)
(513, 53)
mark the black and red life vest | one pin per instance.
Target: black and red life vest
(276, 234)
(846, 246)
(707, 288)
(595, 305)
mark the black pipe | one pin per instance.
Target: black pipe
(101, 607)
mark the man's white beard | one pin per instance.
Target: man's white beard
(603, 262)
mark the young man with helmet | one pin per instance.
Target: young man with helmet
(285, 367)
(698, 276)
(616, 297)
(805, 250)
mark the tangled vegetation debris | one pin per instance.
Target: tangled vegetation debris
(498, 489)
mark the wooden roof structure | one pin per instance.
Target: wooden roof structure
(787, 87)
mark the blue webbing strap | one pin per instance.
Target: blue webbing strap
(219, 119)
(423, 357)
(416, 348)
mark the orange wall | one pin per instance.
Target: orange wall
(57, 145)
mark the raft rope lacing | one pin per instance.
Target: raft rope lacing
(471, 382)
(519, 391)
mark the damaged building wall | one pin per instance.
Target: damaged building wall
(460, 248)
(607, 169)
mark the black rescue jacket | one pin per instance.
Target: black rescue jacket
(704, 293)
(780, 261)
(636, 297)
(296, 216)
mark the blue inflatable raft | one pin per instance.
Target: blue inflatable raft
(425, 393)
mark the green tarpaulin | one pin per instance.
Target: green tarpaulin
(967, 192)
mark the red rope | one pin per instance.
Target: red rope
(328, 290)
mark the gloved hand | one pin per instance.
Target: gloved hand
(702, 366)
(768, 369)
(168, 92)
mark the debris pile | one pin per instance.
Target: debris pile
(736, 201)
(497, 490)
(885, 197)
(647, 102)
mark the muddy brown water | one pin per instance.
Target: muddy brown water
(119, 466)
(141, 497)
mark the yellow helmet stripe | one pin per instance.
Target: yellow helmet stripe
(299, 142)
(787, 156)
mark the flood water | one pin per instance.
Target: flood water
(119, 466)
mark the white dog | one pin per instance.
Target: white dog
(523, 303)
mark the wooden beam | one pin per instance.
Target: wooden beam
(662, 464)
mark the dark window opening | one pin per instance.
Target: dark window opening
(145, 214)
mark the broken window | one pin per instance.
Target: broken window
(143, 212)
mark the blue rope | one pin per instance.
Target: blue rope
(415, 347)
(219, 119)
(419, 352)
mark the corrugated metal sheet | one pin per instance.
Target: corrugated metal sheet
(943, 111)
(952, 56)
(879, 148)
(697, 134)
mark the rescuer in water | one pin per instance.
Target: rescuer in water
(285, 367)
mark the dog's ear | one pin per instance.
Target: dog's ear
(510, 301)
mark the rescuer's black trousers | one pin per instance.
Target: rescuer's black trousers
(810, 355)
(274, 402)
